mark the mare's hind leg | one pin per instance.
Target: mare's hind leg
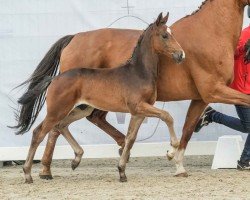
(134, 125)
(148, 110)
(38, 135)
(98, 117)
(62, 127)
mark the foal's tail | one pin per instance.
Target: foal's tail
(31, 102)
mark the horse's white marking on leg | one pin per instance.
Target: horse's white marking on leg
(178, 158)
(172, 151)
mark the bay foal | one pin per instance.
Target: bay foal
(130, 88)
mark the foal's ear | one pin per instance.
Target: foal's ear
(165, 19)
(159, 18)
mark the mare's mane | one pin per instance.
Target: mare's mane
(199, 8)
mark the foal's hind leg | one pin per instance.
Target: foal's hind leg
(134, 125)
(38, 135)
(53, 135)
(62, 127)
(48, 154)
(148, 110)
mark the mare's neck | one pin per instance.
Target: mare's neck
(223, 18)
(145, 59)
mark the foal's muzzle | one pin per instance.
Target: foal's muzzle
(179, 56)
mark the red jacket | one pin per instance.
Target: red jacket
(241, 80)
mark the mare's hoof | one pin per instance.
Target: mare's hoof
(46, 177)
(184, 174)
(74, 164)
(169, 156)
(123, 179)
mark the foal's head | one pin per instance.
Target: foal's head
(164, 42)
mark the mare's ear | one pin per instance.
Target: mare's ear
(159, 18)
(165, 19)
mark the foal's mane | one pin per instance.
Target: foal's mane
(139, 42)
(199, 8)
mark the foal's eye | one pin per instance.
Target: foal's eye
(165, 36)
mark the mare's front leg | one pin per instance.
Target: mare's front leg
(221, 93)
(194, 112)
(134, 125)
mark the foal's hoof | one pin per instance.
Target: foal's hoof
(46, 177)
(123, 179)
(74, 164)
(120, 153)
(184, 174)
(169, 156)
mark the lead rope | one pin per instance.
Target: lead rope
(150, 136)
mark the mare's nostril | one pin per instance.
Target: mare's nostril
(179, 56)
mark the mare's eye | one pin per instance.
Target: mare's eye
(165, 36)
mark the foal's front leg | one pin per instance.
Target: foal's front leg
(134, 125)
(148, 110)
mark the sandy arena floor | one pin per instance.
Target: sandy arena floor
(148, 178)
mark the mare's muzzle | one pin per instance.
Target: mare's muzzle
(179, 56)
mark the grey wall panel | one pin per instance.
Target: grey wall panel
(29, 27)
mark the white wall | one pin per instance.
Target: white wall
(29, 27)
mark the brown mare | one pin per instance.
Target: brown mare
(208, 37)
(130, 88)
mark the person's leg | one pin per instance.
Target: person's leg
(210, 115)
(244, 114)
(242, 124)
(245, 156)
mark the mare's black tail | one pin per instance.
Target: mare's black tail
(32, 101)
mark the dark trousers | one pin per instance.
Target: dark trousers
(241, 124)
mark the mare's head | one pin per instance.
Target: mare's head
(164, 42)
